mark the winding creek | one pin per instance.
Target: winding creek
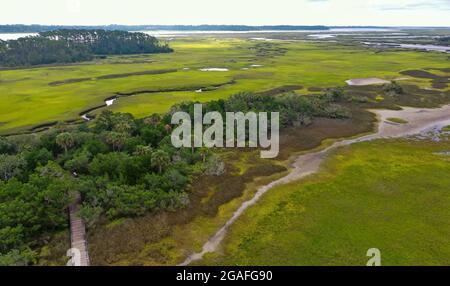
(435, 48)
(420, 121)
(85, 115)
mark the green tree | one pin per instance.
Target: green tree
(6, 147)
(108, 164)
(204, 153)
(153, 120)
(143, 150)
(79, 163)
(393, 89)
(160, 160)
(11, 166)
(65, 140)
(115, 140)
(38, 157)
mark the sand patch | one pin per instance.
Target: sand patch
(366, 81)
(214, 70)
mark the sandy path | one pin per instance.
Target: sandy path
(419, 119)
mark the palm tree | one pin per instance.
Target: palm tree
(192, 139)
(204, 153)
(143, 150)
(123, 127)
(153, 120)
(160, 159)
(168, 128)
(65, 140)
(116, 140)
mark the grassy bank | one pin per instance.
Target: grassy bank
(395, 198)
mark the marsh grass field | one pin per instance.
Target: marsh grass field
(391, 194)
(30, 97)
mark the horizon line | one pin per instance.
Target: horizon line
(225, 25)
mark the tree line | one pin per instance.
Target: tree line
(444, 41)
(69, 46)
(44, 28)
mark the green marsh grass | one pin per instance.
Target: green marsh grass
(397, 120)
(28, 99)
(395, 198)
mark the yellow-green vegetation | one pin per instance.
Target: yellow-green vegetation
(395, 198)
(29, 99)
(397, 120)
(379, 98)
(446, 129)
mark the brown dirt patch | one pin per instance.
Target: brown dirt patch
(111, 76)
(281, 89)
(438, 82)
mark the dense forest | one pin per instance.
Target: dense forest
(444, 41)
(122, 166)
(69, 46)
(102, 42)
(43, 28)
(32, 51)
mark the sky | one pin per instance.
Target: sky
(241, 12)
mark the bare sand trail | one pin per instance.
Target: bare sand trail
(419, 120)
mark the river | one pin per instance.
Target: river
(435, 48)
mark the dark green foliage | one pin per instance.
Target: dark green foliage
(112, 165)
(79, 163)
(11, 166)
(29, 209)
(35, 158)
(444, 41)
(393, 89)
(95, 146)
(69, 46)
(152, 135)
(31, 51)
(335, 95)
(102, 42)
(294, 109)
(6, 147)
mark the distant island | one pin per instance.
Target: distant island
(42, 28)
(70, 46)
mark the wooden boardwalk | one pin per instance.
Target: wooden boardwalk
(78, 232)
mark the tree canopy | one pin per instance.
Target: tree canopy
(69, 46)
